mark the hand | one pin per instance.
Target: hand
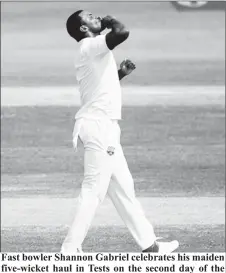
(106, 21)
(127, 67)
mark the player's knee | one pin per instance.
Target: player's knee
(90, 186)
(92, 194)
(94, 185)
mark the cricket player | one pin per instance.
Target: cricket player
(96, 125)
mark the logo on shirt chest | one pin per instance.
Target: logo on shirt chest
(111, 150)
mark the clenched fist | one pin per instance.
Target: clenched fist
(106, 21)
(127, 67)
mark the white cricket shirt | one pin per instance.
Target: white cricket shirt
(97, 76)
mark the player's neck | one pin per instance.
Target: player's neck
(91, 34)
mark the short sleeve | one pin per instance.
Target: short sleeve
(96, 46)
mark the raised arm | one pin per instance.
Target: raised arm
(118, 33)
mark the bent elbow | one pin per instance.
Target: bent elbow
(126, 33)
(123, 34)
(116, 37)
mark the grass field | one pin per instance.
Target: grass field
(176, 154)
(173, 48)
(193, 238)
(170, 145)
(173, 127)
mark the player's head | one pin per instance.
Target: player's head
(83, 23)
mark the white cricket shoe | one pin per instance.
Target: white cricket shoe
(167, 247)
(162, 247)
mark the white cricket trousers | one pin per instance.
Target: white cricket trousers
(105, 173)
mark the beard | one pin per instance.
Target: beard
(103, 27)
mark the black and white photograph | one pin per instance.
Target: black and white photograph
(112, 126)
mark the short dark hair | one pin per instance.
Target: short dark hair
(73, 26)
